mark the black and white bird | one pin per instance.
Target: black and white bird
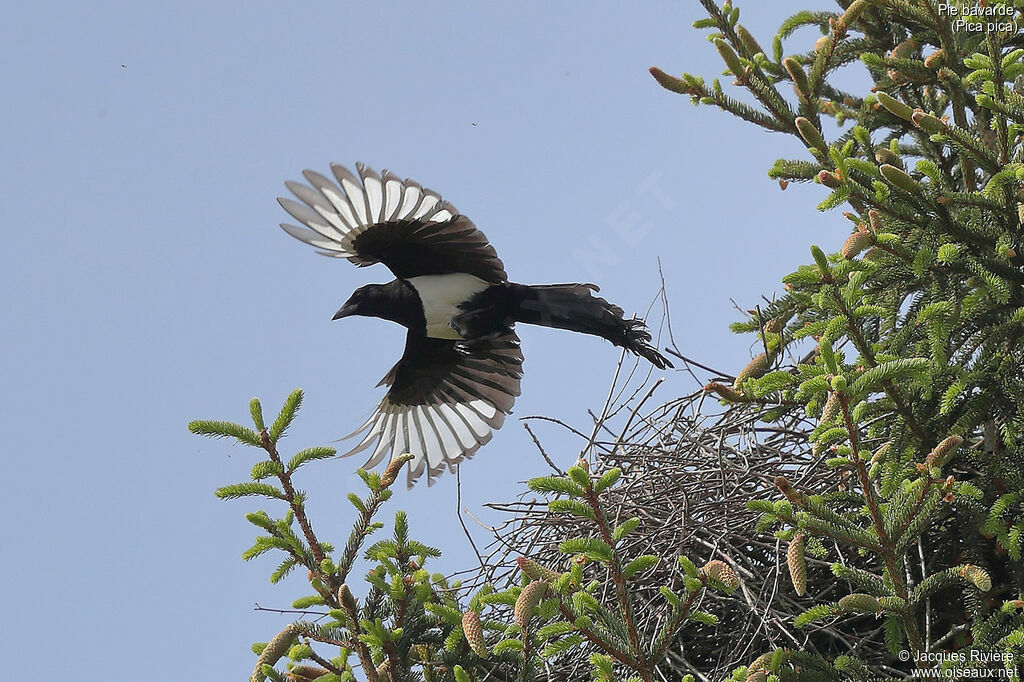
(461, 368)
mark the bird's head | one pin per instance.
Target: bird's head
(369, 300)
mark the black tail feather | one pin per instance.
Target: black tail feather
(576, 308)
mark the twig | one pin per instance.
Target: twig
(458, 512)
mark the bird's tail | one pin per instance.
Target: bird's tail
(576, 308)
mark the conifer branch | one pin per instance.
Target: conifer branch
(298, 508)
(953, 56)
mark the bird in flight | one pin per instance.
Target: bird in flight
(462, 365)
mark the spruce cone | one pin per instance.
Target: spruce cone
(943, 452)
(977, 576)
(391, 472)
(758, 670)
(829, 179)
(860, 603)
(799, 77)
(875, 218)
(812, 136)
(720, 571)
(749, 42)
(724, 391)
(853, 12)
(798, 563)
(755, 368)
(886, 155)
(347, 600)
(305, 673)
(474, 633)
(535, 571)
(831, 408)
(774, 325)
(787, 489)
(527, 602)
(881, 452)
(899, 178)
(275, 649)
(935, 59)
(855, 243)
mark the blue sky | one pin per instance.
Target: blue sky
(146, 283)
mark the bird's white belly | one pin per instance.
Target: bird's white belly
(441, 296)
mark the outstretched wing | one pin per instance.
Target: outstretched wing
(373, 218)
(445, 399)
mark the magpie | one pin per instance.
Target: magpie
(462, 365)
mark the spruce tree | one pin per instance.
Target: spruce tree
(904, 341)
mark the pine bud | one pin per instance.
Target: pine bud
(894, 106)
(860, 603)
(306, 673)
(977, 576)
(720, 571)
(829, 179)
(823, 44)
(535, 571)
(729, 57)
(899, 178)
(943, 452)
(787, 489)
(799, 76)
(527, 602)
(812, 136)
(726, 392)
(798, 563)
(474, 633)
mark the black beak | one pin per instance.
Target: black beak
(345, 311)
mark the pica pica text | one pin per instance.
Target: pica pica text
(461, 368)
